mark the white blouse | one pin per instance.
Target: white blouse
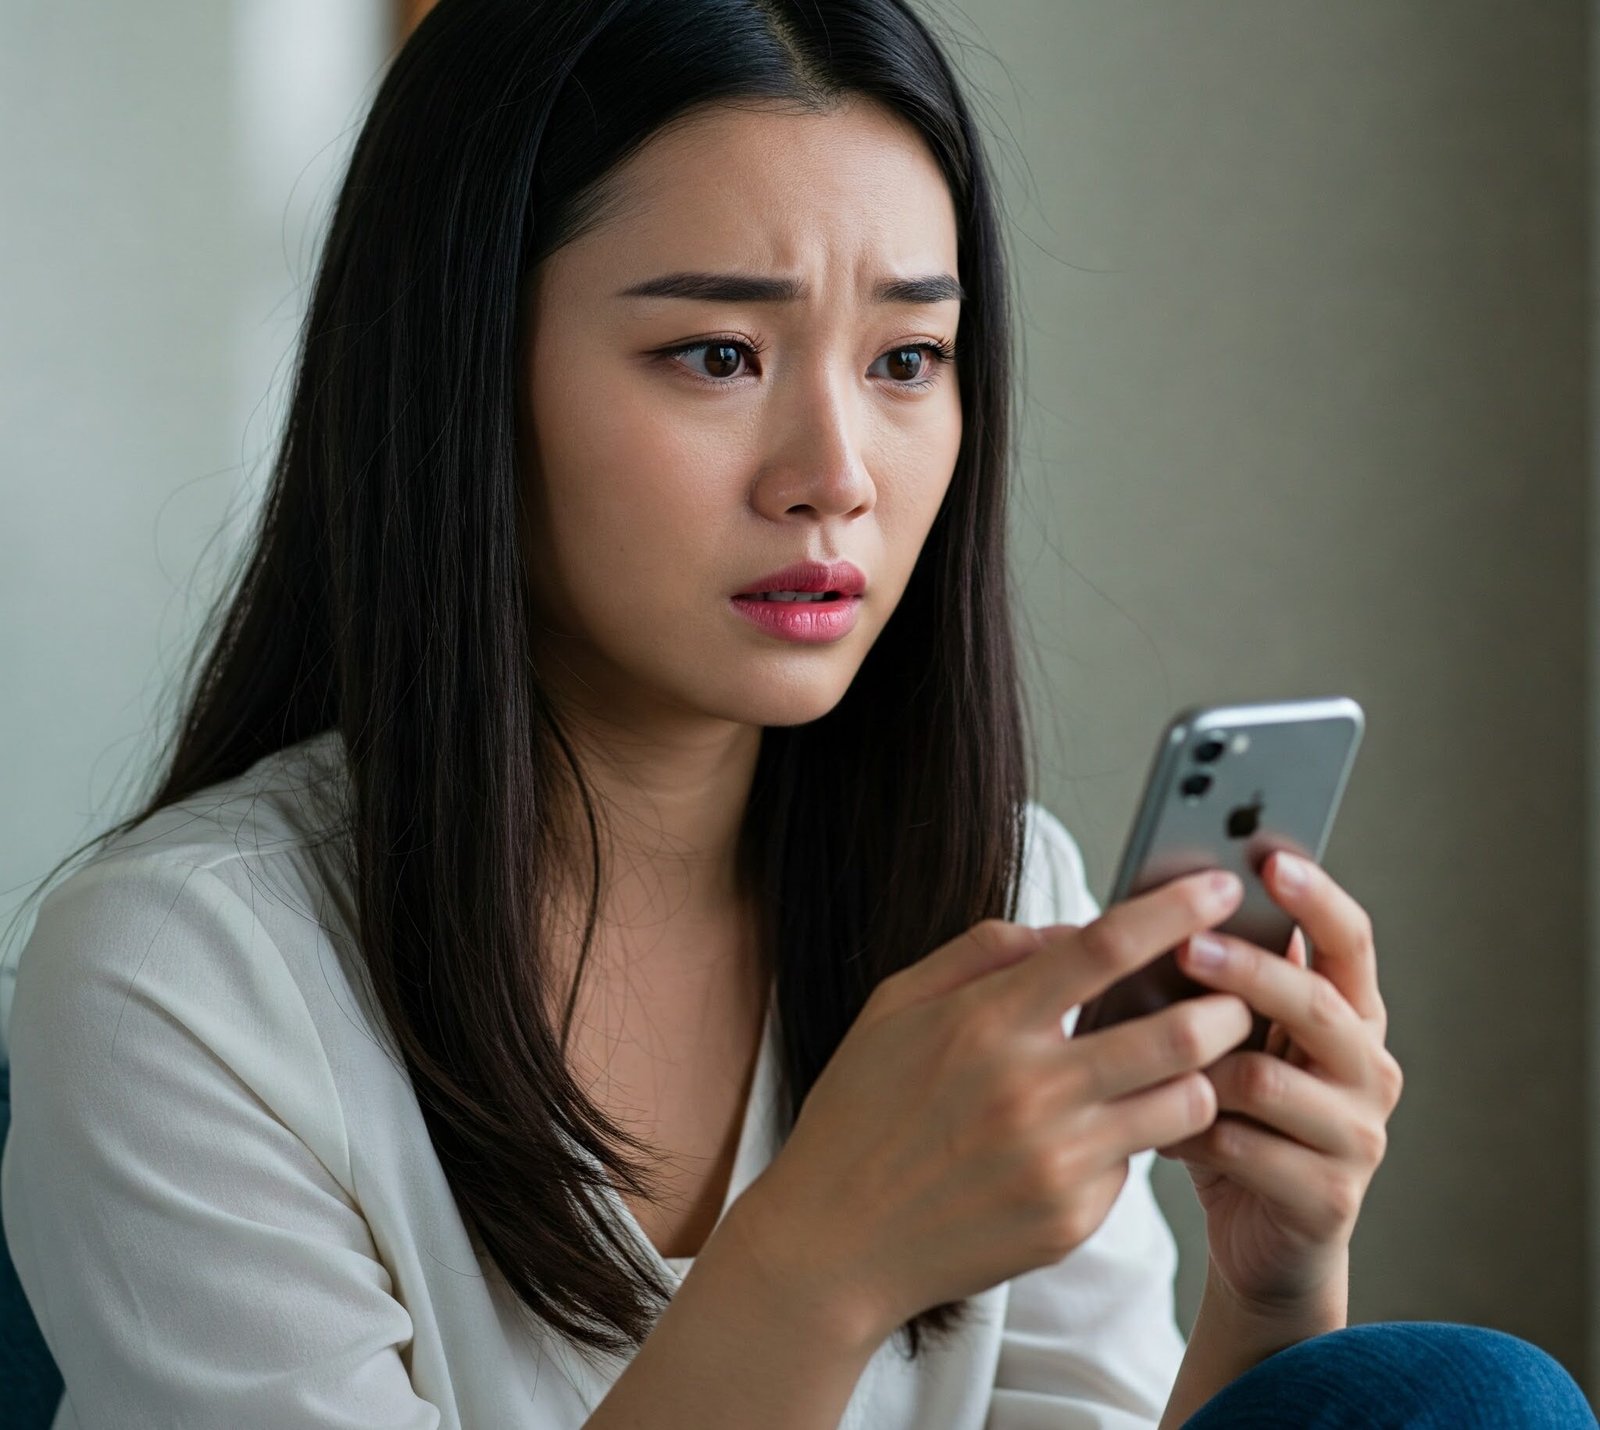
(225, 1208)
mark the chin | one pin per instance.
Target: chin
(792, 698)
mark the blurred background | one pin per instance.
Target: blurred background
(1306, 326)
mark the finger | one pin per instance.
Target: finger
(1310, 1006)
(1289, 1100)
(1336, 924)
(1278, 1035)
(1184, 1037)
(1297, 953)
(986, 947)
(1172, 1112)
(1316, 1194)
(1073, 965)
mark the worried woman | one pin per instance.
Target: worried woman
(590, 956)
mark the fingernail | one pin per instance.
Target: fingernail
(1205, 951)
(1291, 873)
(1223, 886)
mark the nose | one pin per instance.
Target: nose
(814, 453)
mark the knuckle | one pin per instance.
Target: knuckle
(995, 936)
(1105, 944)
(1227, 1139)
(1391, 1078)
(1069, 1228)
(1013, 1107)
(1197, 1102)
(1185, 1034)
(1057, 1170)
(1326, 1006)
(1261, 1080)
(1371, 1142)
(1074, 1214)
(1343, 1198)
(1043, 1187)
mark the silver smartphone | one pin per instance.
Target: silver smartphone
(1229, 785)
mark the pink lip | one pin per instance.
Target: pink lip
(808, 622)
(811, 576)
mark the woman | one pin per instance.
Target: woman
(525, 809)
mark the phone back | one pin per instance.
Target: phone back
(1229, 785)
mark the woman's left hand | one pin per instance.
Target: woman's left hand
(1300, 1129)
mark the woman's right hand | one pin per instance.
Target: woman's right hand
(957, 1138)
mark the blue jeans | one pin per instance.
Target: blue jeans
(1421, 1375)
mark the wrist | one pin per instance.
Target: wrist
(739, 1344)
(1319, 1303)
(787, 1268)
(1233, 1333)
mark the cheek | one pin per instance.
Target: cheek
(917, 469)
(629, 505)
(634, 487)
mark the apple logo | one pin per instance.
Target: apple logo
(1244, 820)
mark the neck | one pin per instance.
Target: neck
(668, 808)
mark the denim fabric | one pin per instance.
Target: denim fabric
(1421, 1375)
(30, 1384)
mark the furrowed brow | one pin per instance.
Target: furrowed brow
(751, 288)
(935, 288)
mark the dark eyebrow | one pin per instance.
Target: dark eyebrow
(748, 288)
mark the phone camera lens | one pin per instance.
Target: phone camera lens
(1208, 750)
(1194, 786)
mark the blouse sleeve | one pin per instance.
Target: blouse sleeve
(1093, 1340)
(175, 1184)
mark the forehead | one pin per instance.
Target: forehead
(849, 196)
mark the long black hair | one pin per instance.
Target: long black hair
(384, 595)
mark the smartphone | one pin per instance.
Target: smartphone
(1229, 785)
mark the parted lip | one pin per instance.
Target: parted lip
(838, 576)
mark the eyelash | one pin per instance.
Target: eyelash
(944, 351)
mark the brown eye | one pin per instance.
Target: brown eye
(918, 364)
(915, 368)
(722, 359)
